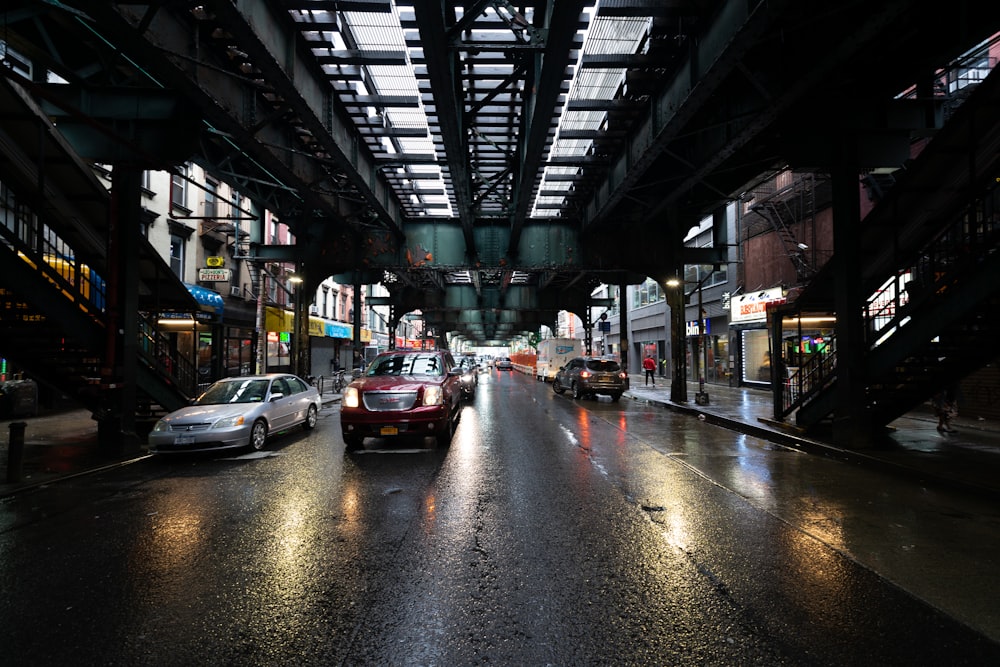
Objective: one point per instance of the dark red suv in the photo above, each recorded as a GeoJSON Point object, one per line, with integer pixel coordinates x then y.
{"type": "Point", "coordinates": [403, 393]}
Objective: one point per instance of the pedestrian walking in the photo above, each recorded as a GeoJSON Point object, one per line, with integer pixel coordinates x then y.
{"type": "Point", "coordinates": [945, 408]}
{"type": "Point", "coordinates": [649, 365]}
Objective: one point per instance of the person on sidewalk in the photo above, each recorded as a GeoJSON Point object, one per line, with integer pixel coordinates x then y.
{"type": "Point", "coordinates": [649, 365]}
{"type": "Point", "coordinates": [945, 409]}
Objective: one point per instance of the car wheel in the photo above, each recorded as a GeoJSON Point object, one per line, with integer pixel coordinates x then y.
{"type": "Point", "coordinates": [258, 435]}
{"type": "Point", "coordinates": [312, 416]}
{"type": "Point", "coordinates": [444, 438]}
{"type": "Point", "coordinates": [615, 397]}
{"type": "Point", "coordinates": [577, 394]}
{"type": "Point", "coordinates": [556, 387]}
{"type": "Point", "coordinates": [353, 442]}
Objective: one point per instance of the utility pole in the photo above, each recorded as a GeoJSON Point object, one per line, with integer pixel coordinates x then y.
{"type": "Point", "coordinates": [261, 365]}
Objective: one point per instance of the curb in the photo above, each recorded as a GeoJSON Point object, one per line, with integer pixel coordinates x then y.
{"type": "Point", "coordinates": [30, 486]}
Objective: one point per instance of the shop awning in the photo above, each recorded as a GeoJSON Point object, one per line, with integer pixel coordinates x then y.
{"type": "Point", "coordinates": [209, 300]}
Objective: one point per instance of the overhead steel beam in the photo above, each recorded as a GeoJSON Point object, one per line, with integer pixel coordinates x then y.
{"type": "Point", "coordinates": [360, 58]}
{"type": "Point", "coordinates": [562, 19]}
{"type": "Point", "coordinates": [306, 90]}
{"type": "Point", "coordinates": [441, 70]}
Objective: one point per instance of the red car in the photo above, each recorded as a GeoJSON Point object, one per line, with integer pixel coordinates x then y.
{"type": "Point", "coordinates": [403, 393]}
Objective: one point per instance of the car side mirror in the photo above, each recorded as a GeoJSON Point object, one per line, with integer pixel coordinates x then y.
{"type": "Point", "coordinates": [276, 396]}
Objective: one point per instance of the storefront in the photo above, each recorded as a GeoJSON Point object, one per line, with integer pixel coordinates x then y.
{"type": "Point", "coordinates": [329, 346]}
{"type": "Point", "coordinates": [330, 342]}
{"type": "Point", "coordinates": [748, 322]}
{"type": "Point", "coordinates": [194, 338]}
{"type": "Point", "coordinates": [239, 351]}
{"type": "Point", "coordinates": [711, 348]}
{"type": "Point", "coordinates": [800, 337]}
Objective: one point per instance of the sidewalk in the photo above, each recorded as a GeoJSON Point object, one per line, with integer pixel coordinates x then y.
{"type": "Point", "coordinates": [968, 459]}
{"type": "Point", "coordinates": [64, 444]}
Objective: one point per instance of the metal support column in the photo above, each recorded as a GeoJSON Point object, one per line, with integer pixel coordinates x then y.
{"type": "Point", "coordinates": [623, 325]}
{"type": "Point", "coordinates": [675, 301]}
{"type": "Point", "coordinates": [850, 424]}
{"type": "Point", "coordinates": [359, 355]}
{"type": "Point", "coordinates": [116, 422]}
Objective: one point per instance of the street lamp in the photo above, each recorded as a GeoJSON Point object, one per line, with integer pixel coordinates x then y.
{"type": "Point", "coordinates": [701, 358]}
{"type": "Point", "coordinates": [678, 383]}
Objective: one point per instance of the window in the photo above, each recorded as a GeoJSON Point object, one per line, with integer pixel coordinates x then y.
{"type": "Point", "coordinates": [177, 244]}
{"type": "Point", "coordinates": [647, 293]}
{"type": "Point", "coordinates": [694, 274]}
{"type": "Point", "coordinates": [237, 213]}
{"type": "Point", "coordinates": [178, 188]}
{"type": "Point", "coordinates": [211, 198]}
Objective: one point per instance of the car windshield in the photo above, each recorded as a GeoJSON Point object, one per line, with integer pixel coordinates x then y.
{"type": "Point", "coordinates": [246, 391]}
{"type": "Point", "coordinates": [603, 366]}
{"type": "Point", "coordinates": [406, 364]}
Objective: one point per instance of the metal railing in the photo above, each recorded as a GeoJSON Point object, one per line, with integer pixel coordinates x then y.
{"type": "Point", "coordinates": [817, 371]}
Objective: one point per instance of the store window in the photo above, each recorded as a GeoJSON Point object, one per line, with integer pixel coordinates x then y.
{"type": "Point", "coordinates": [756, 356]}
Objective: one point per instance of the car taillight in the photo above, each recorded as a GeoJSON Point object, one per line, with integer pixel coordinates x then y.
{"type": "Point", "coordinates": [585, 374]}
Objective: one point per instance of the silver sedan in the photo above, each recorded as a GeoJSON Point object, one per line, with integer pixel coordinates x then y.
{"type": "Point", "coordinates": [236, 413]}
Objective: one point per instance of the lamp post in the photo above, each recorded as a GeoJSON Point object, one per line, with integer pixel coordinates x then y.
{"type": "Point", "coordinates": [701, 358]}
{"type": "Point", "coordinates": [678, 383]}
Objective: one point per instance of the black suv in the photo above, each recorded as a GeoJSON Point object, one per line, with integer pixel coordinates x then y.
{"type": "Point", "coordinates": [587, 376]}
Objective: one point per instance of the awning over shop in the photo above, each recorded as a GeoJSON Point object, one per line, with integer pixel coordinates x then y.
{"type": "Point", "coordinates": [209, 300]}
{"type": "Point", "coordinates": [276, 319]}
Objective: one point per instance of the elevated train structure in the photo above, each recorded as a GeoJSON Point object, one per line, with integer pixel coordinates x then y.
{"type": "Point", "coordinates": [568, 144]}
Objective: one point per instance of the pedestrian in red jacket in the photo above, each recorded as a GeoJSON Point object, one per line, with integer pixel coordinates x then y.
{"type": "Point", "coordinates": [649, 365]}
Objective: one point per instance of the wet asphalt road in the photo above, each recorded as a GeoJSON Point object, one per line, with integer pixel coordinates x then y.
{"type": "Point", "coordinates": [551, 532]}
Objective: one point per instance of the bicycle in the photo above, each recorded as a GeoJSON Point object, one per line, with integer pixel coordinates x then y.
{"type": "Point", "coordinates": [339, 381]}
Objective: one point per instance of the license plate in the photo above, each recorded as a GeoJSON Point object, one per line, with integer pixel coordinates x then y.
{"type": "Point", "coordinates": [184, 440]}
{"type": "Point", "coordinates": [388, 430]}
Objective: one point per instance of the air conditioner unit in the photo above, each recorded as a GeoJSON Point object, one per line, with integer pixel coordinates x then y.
{"type": "Point", "coordinates": [236, 291]}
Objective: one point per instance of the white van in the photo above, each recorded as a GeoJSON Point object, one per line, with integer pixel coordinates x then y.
{"type": "Point", "coordinates": [553, 353]}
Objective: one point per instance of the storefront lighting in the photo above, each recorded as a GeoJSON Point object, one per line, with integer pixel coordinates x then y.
{"type": "Point", "coordinates": [810, 320]}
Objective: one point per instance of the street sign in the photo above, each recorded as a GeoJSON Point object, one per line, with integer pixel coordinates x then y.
{"type": "Point", "coordinates": [214, 275]}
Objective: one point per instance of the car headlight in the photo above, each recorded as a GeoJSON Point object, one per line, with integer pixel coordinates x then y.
{"type": "Point", "coordinates": [161, 426]}
{"type": "Point", "coordinates": [229, 422]}
{"type": "Point", "coordinates": [350, 398]}
{"type": "Point", "coordinates": [433, 395]}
